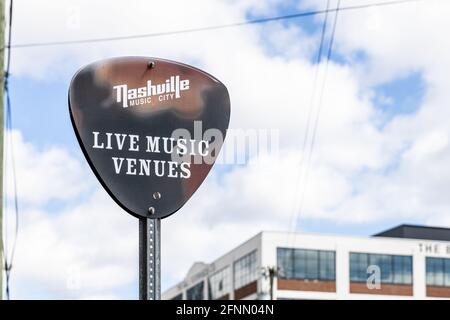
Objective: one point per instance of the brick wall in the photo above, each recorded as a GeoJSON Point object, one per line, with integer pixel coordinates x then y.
{"type": "Point", "coordinates": [385, 289]}
{"type": "Point", "coordinates": [306, 285]}
{"type": "Point", "coordinates": [245, 291]}
{"type": "Point", "coordinates": [438, 292]}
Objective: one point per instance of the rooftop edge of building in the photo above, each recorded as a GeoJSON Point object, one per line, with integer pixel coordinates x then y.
{"type": "Point", "coordinates": [410, 231]}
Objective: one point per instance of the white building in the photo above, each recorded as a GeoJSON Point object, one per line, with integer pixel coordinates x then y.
{"type": "Point", "coordinates": [401, 263]}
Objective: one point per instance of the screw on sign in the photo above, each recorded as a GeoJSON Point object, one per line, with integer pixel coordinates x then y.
{"type": "Point", "coordinates": [150, 130]}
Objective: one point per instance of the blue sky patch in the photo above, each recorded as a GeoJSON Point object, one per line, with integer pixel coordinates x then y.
{"type": "Point", "coordinates": [402, 96]}
{"type": "Point", "coordinates": [41, 113]}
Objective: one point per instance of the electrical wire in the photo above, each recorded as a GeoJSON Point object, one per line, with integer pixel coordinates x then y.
{"type": "Point", "coordinates": [298, 179]}
{"type": "Point", "coordinates": [208, 28]}
{"type": "Point", "coordinates": [316, 122]}
{"type": "Point", "coordinates": [9, 256]}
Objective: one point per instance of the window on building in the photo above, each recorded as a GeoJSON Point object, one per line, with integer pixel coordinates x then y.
{"type": "Point", "coordinates": [327, 265]}
{"type": "Point", "coordinates": [285, 262]}
{"type": "Point", "coordinates": [394, 269]}
{"type": "Point", "coordinates": [195, 292]}
{"type": "Point", "coordinates": [306, 264]}
{"type": "Point", "coordinates": [438, 272]}
{"type": "Point", "coordinates": [220, 283]}
{"type": "Point", "coordinates": [245, 270]}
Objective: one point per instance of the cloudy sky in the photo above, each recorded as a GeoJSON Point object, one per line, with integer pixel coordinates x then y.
{"type": "Point", "coordinates": [380, 157]}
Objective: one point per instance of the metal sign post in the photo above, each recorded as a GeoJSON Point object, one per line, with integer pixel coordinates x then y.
{"type": "Point", "coordinates": [151, 130]}
{"type": "Point", "coordinates": [149, 259]}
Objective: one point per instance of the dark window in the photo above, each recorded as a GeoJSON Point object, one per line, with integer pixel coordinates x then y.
{"type": "Point", "coordinates": [285, 259]}
{"type": "Point", "coordinates": [394, 269]}
{"type": "Point", "coordinates": [386, 265]}
{"type": "Point", "coordinates": [306, 264]}
{"type": "Point", "coordinates": [402, 269]}
{"type": "Point", "coordinates": [312, 264]}
{"type": "Point", "coordinates": [358, 267]}
{"type": "Point", "coordinates": [298, 262]}
{"type": "Point", "coordinates": [327, 265]}
{"type": "Point", "coordinates": [438, 272]}
{"type": "Point", "coordinates": [195, 292]}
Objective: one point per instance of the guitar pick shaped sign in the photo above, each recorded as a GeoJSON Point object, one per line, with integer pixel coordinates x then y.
{"type": "Point", "coordinates": [149, 128]}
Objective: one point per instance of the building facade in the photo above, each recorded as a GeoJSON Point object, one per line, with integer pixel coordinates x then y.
{"type": "Point", "coordinates": [406, 262]}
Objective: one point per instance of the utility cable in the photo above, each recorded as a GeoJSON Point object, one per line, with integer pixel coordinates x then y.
{"type": "Point", "coordinates": [208, 28]}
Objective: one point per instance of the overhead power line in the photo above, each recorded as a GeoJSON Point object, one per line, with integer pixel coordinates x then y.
{"type": "Point", "coordinates": [8, 257]}
{"type": "Point", "coordinates": [293, 221]}
{"type": "Point", "coordinates": [319, 110]}
{"type": "Point", "coordinates": [207, 28]}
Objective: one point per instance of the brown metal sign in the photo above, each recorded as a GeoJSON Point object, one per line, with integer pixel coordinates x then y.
{"type": "Point", "coordinates": [150, 129]}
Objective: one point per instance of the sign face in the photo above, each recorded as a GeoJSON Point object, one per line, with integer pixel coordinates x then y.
{"type": "Point", "coordinates": [150, 129]}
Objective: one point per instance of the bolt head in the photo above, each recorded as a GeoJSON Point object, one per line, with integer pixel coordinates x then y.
{"type": "Point", "coordinates": [156, 195]}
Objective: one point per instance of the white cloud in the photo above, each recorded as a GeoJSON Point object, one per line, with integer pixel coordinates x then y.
{"type": "Point", "coordinates": [395, 39]}
{"type": "Point", "coordinates": [427, 146]}
{"type": "Point", "coordinates": [43, 174]}
{"type": "Point", "coordinates": [87, 250]}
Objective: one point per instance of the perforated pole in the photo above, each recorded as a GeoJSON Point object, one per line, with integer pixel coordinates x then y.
{"type": "Point", "coordinates": [2, 54]}
{"type": "Point", "coordinates": [149, 259]}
